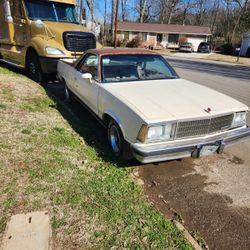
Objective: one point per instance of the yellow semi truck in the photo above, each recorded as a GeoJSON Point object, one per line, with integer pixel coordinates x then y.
{"type": "Point", "coordinates": [35, 34]}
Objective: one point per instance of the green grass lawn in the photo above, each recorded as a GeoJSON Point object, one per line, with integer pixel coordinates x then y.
{"type": "Point", "coordinates": [46, 165]}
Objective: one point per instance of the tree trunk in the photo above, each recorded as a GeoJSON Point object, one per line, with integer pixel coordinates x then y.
{"type": "Point", "coordinates": [90, 4]}
{"type": "Point", "coordinates": [105, 18]}
{"type": "Point", "coordinates": [123, 7]}
{"type": "Point", "coordinates": [113, 5]}
{"type": "Point", "coordinates": [143, 4]}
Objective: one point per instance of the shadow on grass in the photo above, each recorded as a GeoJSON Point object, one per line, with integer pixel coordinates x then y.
{"type": "Point", "coordinates": [83, 123]}
{"type": "Point", "coordinates": [79, 118]}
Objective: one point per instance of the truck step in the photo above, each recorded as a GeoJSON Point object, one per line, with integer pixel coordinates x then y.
{"type": "Point", "coordinates": [12, 63]}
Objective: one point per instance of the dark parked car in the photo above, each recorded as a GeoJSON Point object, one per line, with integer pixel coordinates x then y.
{"type": "Point", "coordinates": [204, 47]}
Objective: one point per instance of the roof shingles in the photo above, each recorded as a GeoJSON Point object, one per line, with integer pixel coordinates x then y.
{"type": "Point", "coordinates": [164, 28]}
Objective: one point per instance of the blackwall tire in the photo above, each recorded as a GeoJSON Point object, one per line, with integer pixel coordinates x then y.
{"type": "Point", "coordinates": [33, 67]}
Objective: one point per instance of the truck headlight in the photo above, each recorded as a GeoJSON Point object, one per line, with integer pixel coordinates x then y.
{"type": "Point", "coordinates": [53, 51]}
{"type": "Point", "coordinates": [239, 119]}
{"type": "Point", "coordinates": [156, 133]}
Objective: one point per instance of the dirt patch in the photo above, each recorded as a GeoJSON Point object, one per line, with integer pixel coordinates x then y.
{"type": "Point", "coordinates": [230, 59]}
{"type": "Point", "coordinates": [210, 201]}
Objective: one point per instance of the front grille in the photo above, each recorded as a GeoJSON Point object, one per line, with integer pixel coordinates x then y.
{"type": "Point", "coordinates": [79, 41]}
{"type": "Point", "coordinates": [204, 126]}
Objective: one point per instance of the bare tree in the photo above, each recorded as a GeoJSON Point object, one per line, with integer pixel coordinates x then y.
{"type": "Point", "coordinates": [186, 5]}
{"type": "Point", "coordinates": [142, 6]}
{"type": "Point", "coordinates": [90, 4]}
{"type": "Point", "coordinates": [172, 6]}
{"type": "Point", "coordinates": [113, 7]}
{"type": "Point", "coordinates": [124, 9]}
{"type": "Point", "coordinates": [200, 9]}
{"type": "Point", "coordinates": [243, 8]}
{"type": "Point", "coordinates": [214, 15]}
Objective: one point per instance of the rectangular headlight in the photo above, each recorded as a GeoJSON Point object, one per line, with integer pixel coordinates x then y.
{"type": "Point", "coordinates": [239, 119]}
{"type": "Point", "coordinates": [156, 133]}
{"type": "Point", "coordinates": [53, 51]}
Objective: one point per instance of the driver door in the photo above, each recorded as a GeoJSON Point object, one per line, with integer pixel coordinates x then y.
{"type": "Point", "coordinates": [88, 89]}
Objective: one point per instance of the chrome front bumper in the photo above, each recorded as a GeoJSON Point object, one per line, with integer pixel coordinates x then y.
{"type": "Point", "coordinates": [147, 153]}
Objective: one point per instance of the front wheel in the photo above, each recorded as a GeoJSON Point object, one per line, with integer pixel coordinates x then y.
{"type": "Point", "coordinates": [116, 140]}
{"type": "Point", "coordinates": [34, 67]}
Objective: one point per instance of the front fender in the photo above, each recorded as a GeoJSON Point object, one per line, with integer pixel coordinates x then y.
{"type": "Point", "coordinates": [39, 44]}
{"type": "Point", "coordinates": [116, 118]}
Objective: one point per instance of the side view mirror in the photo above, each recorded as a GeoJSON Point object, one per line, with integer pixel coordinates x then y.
{"type": "Point", "coordinates": [86, 76]}
{"type": "Point", "coordinates": [39, 23]}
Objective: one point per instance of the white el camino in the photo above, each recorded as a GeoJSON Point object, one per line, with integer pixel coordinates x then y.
{"type": "Point", "coordinates": [149, 112]}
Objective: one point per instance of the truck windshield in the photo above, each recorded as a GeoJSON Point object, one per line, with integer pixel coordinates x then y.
{"type": "Point", "coordinates": [51, 11]}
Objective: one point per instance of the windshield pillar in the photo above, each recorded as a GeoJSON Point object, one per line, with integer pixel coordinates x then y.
{"type": "Point", "coordinates": [54, 8]}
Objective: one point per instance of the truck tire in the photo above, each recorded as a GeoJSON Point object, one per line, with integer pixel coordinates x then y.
{"type": "Point", "coordinates": [119, 146]}
{"type": "Point", "coordinates": [33, 67]}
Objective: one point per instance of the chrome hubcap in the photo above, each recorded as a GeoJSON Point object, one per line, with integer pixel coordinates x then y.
{"type": "Point", "coordinates": [114, 139]}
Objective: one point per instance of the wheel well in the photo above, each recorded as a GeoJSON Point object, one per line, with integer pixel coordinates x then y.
{"type": "Point", "coordinates": [62, 80]}
{"type": "Point", "coordinates": [30, 50]}
{"type": "Point", "coordinates": [106, 119]}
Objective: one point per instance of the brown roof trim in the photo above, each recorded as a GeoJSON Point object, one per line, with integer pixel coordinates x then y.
{"type": "Point", "coordinates": [164, 28]}
{"type": "Point", "coordinates": [119, 51]}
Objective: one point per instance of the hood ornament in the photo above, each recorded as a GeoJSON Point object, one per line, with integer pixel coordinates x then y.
{"type": "Point", "coordinates": [208, 110]}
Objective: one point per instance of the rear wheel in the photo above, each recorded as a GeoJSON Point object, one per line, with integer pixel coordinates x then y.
{"type": "Point", "coordinates": [33, 67]}
{"type": "Point", "coordinates": [116, 140]}
{"type": "Point", "coordinates": [68, 93]}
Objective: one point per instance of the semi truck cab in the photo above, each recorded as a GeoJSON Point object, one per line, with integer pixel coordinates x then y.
{"type": "Point", "coordinates": [35, 34]}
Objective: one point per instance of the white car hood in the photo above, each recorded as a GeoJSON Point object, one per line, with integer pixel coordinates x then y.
{"type": "Point", "coordinates": [163, 100]}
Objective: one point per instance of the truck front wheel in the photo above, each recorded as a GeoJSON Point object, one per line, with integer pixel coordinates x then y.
{"type": "Point", "coordinates": [33, 67]}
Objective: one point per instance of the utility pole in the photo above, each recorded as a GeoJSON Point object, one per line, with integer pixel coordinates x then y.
{"type": "Point", "coordinates": [116, 23]}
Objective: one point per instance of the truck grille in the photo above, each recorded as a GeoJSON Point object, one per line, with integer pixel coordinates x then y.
{"type": "Point", "coordinates": [204, 126]}
{"type": "Point", "coordinates": [79, 41]}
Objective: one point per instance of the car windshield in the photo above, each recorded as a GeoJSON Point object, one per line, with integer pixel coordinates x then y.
{"type": "Point", "coordinates": [121, 68]}
{"type": "Point", "coordinates": [51, 11]}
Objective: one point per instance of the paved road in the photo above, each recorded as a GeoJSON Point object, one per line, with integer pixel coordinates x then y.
{"type": "Point", "coordinates": [211, 195]}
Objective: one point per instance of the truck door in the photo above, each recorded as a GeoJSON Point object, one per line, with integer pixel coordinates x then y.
{"type": "Point", "coordinates": [21, 30]}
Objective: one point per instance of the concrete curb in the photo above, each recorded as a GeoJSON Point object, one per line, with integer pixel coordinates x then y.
{"type": "Point", "coordinates": [187, 235]}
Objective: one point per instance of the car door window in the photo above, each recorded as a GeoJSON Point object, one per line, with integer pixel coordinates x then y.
{"type": "Point", "coordinates": [90, 65]}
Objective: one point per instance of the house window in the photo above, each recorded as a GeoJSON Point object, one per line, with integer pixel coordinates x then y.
{"type": "Point", "coordinates": [173, 38]}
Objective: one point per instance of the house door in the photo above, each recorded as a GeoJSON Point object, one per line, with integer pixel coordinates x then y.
{"type": "Point", "coordinates": [159, 38]}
